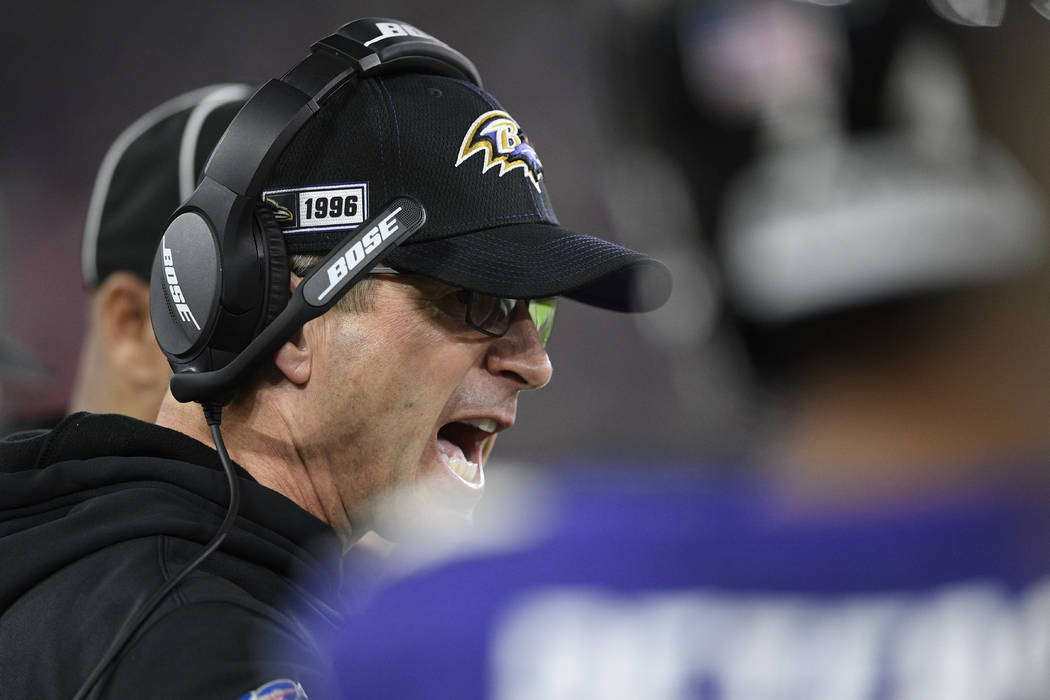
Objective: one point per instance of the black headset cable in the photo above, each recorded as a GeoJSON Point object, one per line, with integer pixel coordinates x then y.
{"type": "Point", "coordinates": [213, 415]}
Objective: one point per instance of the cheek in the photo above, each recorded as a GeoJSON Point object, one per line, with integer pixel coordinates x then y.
{"type": "Point", "coordinates": [390, 384]}
{"type": "Point", "coordinates": [391, 381]}
{"type": "Point", "coordinates": [428, 362]}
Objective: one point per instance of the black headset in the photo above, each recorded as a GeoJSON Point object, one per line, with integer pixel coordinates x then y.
{"type": "Point", "coordinates": [219, 285]}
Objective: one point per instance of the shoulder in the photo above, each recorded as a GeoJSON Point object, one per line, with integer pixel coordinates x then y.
{"type": "Point", "coordinates": [224, 622]}
{"type": "Point", "coordinates": [233, 650]}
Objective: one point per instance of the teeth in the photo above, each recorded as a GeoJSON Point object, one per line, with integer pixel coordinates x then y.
{"type": "Point", "coordinates": [463, 468]}
{"type": "Point", "coordinates": [486, 424]}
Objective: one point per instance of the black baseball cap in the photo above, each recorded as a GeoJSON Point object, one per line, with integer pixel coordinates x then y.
{"type": "Point", "coordinates": [490, 225]}
{"type": "Point", "coordinates": [150, 169]}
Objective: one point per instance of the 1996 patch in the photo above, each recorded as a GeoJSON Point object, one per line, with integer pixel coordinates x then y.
{"type": "Point", "coordinates": [319, 207]}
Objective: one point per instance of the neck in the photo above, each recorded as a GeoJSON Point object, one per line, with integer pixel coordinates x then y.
{"type": "Point", "coordinates": [99, 387]}
{"type": "Point", "coordinates": [261, 441]}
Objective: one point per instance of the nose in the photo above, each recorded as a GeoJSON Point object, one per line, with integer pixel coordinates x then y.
{"type": "Point", "coordinates": [519, 355]}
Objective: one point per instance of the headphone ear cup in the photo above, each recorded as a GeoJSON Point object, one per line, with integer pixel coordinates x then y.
{"type": "Point", "coordinates": [277, 275]}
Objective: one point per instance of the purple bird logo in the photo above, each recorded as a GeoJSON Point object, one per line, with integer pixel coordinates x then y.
{"type": "Point", "coordinates": [501, 141]}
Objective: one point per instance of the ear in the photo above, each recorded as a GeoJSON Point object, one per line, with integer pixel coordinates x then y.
{"type": "Point", "coordinates": [293, 358]}
{"type": "Point", "coordinates": [124, 325]}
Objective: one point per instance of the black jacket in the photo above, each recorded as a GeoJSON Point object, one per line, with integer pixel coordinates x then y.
{"type": "Point", "coordinates": [96, 514]}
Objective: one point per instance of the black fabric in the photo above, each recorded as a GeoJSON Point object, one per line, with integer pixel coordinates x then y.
{"type": "Point", "coordinates": [143, 190]}
{"type": "Point", "coordinates": [403, 134]}
{"type": "Point", "coordinates": [96, 514]}
{"type": "Point", "coordinates": [540, 260]}
{"type": "Point", "coordinates": [133, 199]}
{"type": "Point", "coordinates": [140, 199]}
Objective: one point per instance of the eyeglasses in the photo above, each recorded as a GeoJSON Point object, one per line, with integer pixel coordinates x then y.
{"type": "Point", "coordinates": [492, 315]}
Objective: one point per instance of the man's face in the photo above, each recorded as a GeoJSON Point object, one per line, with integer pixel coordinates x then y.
{"type": "Point", "coordinates": [410, 399]}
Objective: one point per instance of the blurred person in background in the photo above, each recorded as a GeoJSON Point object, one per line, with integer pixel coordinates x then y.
{"type": "Point", "coordinates": [880, 260]}
{"type": "Point", "coordinates": [148, 171]}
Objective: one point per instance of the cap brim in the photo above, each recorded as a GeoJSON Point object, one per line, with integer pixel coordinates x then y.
{"type": "Point", "coordinates": [540, 260]}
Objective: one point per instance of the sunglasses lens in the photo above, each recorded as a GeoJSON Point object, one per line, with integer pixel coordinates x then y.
{"type": "Point", "coordinates": [489, 313]}
{"type": "Point", "coordinates": [542, 313]}
{"type": "Point", "coordinates": [492, 315]}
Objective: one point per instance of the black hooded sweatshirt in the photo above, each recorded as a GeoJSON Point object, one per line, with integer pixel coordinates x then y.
{"type": "Point", "coordinates": [95, 516]}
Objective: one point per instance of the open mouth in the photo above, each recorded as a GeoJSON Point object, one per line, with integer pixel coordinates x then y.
{"type": "Point", "coordinates": [461, 444]}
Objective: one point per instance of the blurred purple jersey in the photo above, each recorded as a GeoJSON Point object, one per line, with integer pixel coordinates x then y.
{"type": "Point", "coordinates": [671, 585]}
